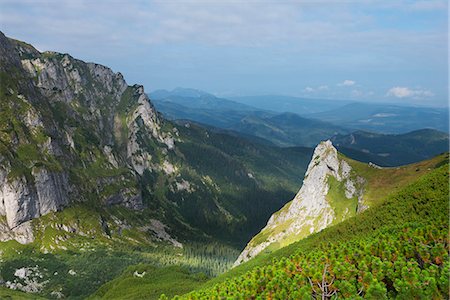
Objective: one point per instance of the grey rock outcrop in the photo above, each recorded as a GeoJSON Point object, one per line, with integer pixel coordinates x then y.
{"type": "Point", "coordinates": [21, 200]}
{"type": "Point", "coordinates": [311, 210]}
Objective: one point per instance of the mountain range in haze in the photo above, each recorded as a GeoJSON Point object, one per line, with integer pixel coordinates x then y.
{"type": "Point", "coordinates": [368, 131]}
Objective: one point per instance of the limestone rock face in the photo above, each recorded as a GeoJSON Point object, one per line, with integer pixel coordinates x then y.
{"type": "Point", "coordinates": [144, 116]}
{"type": "Point", "coordinates": [22, 200]}
{"type": "Point", "coordinates": [22, 233]}
{"type": "Point", "coordinates": [312, 209]}
{"type": "Point", "coordinates": [80, 119]}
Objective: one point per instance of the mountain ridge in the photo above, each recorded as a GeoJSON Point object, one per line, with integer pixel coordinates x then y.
{"type": "Point", "coordinates": [334, 189]}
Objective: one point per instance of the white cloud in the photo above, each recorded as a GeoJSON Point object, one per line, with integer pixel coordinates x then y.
{"type": "Point", "coordinates": [188, 37]}
{"type": "Point", "coordinates": [356, 93]}
{"type": "Point", "coordinates": [320, 88]}
{"type": "Point", "coordinates": [429, 5]}
{"type": "Point", "coordinates": [405, 92]}
{"type": "Point", "coordinates": [347, 82]}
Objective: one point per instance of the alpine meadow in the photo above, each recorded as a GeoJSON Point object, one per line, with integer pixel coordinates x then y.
{"type": "Point", "coordinates": [224, 150]}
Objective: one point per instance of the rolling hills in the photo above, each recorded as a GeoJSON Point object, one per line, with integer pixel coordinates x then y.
{"type": "Point", "coordinates": [376, 144]}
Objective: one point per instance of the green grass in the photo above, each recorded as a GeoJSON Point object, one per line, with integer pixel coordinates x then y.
{"type": "Point", "coordinates": [381, 182]}
{"type": "Point", "coordinates": [343, 207]}
{"type": "Point", "coordinates": [8, 294]}
{"type": "Point", "coordinates": [156, 281]}
{"type": "Point", "coordinates": [98, 255]}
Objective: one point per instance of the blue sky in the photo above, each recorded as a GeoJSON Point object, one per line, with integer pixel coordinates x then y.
{"type": "Point", "coordinates": [386, 51]}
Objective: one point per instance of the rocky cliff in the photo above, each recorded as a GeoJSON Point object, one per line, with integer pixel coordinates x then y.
{"type": "Point", "coordinates": [70, 131]}
{"type": "Point", "coordinates": [331, 192]}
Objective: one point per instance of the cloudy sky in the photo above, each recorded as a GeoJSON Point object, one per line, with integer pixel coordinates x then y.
{"type": "Point", "coordinates": [387, 51]}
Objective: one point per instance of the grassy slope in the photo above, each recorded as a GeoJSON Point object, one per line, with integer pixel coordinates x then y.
{"type": "Point", "coordinates": [99, 258]}
{"type": "Point", "coordinates": [394, 210]}
{"type": "Point", "coordinates": [379, 184]}
{"type": "Point", "coordinates": [382, 182]}
{"type": "Point", "coordinates": [386, 213]}
{"type": "Point", "coordinates": [8, 294]}
{"type": "Point", "coordinates": [169, 280]}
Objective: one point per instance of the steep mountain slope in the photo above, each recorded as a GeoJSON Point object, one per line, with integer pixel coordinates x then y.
{"type": "Point", "coordinates": [57, 131]}
{"type": "Point", "coordinates": [90, 172]}
{"type": "Point", "coordinates": [395, 250]}
{"type": "Point", "coordinates": [395, 149]}
{"type": "Point", "coordinates": [384, 118]}
{"type": "Point", "coordinates": [335, 188]}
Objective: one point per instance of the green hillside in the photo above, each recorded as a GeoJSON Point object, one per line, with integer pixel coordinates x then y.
{"type": "Point", "coordinates": [148, 282]}
{"type": "Point", "coordinates": [384, 181]}
{"type": "Point", "coordinates": [9, 294]}
{"type": "Point", "coordinates": [398, 249]}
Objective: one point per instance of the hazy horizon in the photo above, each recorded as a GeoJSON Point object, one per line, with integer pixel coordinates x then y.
{"type": "Point", "coordinates": [389, 52]}
{"type": "Point", "coordinates": [369, 101]}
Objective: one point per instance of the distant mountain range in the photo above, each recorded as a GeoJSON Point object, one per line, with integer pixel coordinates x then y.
{"type": "Point", "coordinates": [282, 129]}
{"type": "Point", "coordinates": [193, 98]}
{"type": "Point", "coordinates": [384, 118]}
{"type": "Point", "coordinates": [378, 117]}
{"type": "Point", "coordinates": [392, 149]}
{"type": "Point", "coordinates": [298, 105]}
{"type": "Point", "coordinates": [349, 125]}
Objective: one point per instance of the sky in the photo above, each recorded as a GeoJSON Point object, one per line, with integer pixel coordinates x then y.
{"type": "Point", "coordinates": [383, 51]}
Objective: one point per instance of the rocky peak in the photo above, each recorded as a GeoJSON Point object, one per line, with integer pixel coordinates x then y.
{"type": "Point", "coordinates": [312, 195]}
{"type": "Point", "coordinates": [312, 209]}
